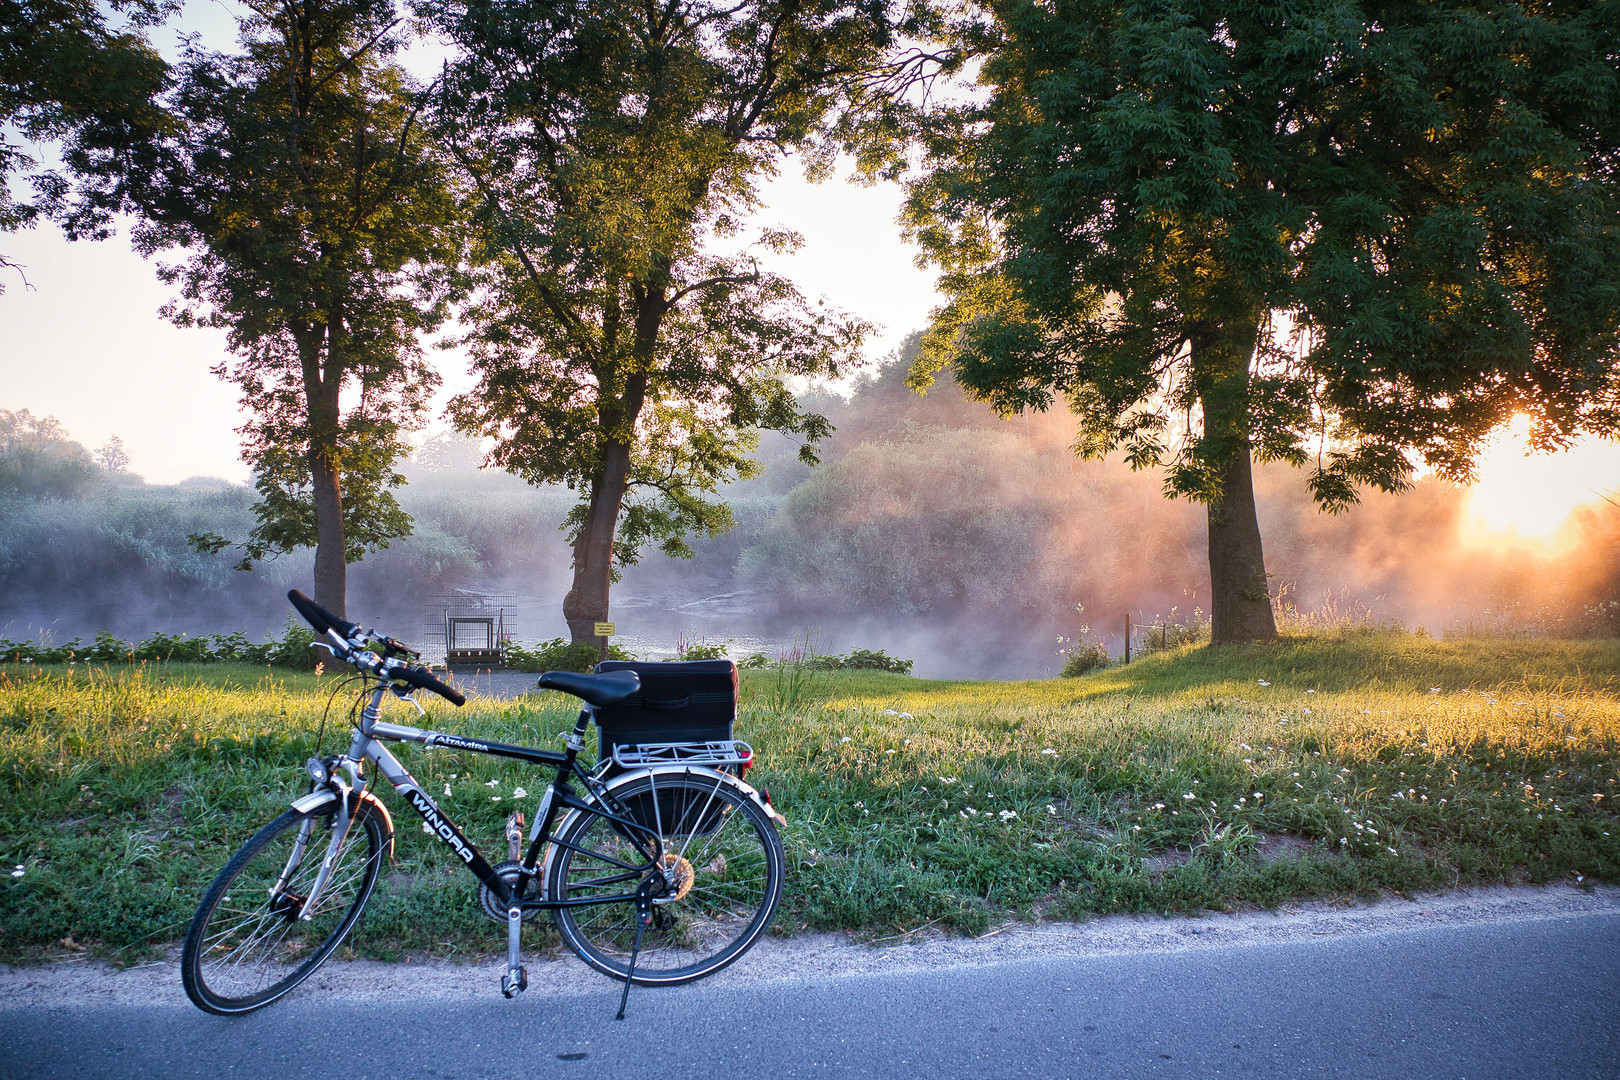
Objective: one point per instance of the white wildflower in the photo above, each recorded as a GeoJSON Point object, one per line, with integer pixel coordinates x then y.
{"type": "Point", "coordinates": [1310, 691]}
{"type": "Point", "coordinates": [447, 790]}
{"type": "Point", "coordinates": [890, 712]}
{"type": "Point", "coordinates": [1007, 815]}
{"type": "Point", "coordinates": [519, 793]}
{"type": "Point", "coordinates": [907, 716]}
{"type": "Point", "coordinates": [493, 784]}
{"type": "Point", "coordinates": [1262, 682]}
{"type": "Point", "coordinates": [947, 779]}
{"type": "Point", "coordinates": [888, 751]}
{"type": "Point", "coordinates": [19, 871]}
{"type": "Point", "coordinates": [1049, 752]}
{"type": "Point", "coordinates": [1050, 809]}
{"type": "Point", "coordinates": [845, 739]}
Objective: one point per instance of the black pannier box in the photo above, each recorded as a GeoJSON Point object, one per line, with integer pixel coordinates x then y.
{"type": "Point", "coordinates": [693, 701]}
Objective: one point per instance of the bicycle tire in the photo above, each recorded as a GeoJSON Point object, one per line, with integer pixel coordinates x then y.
{"type": "Point", "coordinates": [238, 958]}
{"type": "Point", "coordinates": [728, 844]}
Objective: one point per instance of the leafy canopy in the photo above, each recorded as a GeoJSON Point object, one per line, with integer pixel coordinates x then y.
{"type": "Point", "coordinates": [314, 218]}
{"type": "Point", "coordinates": [1412, 206]}
{"type": "Point", "coordinates": [616, 148]}
{"type": "Point", "coordinates": [67, 77]}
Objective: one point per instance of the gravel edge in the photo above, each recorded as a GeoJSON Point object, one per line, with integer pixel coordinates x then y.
{"type": "Point", "coordinates": [822, 957]}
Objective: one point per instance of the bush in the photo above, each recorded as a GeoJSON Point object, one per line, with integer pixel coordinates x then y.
{"type": "Point", "coordinates": [862, 660]}
{"type": "Point", "coordinates": [559, 654]}
{"type": "Point", "coordinates": [699, 650]}
{"type": "Point", "coordinates": [1084, 657]}
{"type": "Point", "coordinates": [292, 650]}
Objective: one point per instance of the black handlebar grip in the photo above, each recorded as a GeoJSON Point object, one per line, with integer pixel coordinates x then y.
{"type": "Point", "coordinates": [420, 677]}
{"type": "Point", "coordinates": [318, 617]}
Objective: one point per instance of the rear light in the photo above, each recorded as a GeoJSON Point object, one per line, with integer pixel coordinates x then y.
{"type": "Point", "coordinates": [747, 763]}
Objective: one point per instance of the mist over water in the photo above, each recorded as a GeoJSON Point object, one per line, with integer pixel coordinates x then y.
{"type": "Point", "coordinates": [931, 530]}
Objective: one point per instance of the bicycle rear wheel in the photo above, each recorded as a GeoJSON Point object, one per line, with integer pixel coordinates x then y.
{"type": "Point", "coordinates": [247, 945]}
{"type": "Point", "coordinates": [724, 857]}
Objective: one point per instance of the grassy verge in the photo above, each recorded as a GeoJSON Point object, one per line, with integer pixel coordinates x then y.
{"type": "Point", "coordinates": [1192, 779]}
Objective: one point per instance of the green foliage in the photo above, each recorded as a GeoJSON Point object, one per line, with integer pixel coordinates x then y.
{"type": "Point", "coordinates": [616, 350]}
{"type": "Point", "coordinates": [312, 214]}
{"type": "Point", "coordinates": [38, 459]}
{"type": "Point", "coordinates": [861, 660]}
{"type": "Point", "coordinates": [1083, 657]}
{"type": "Point", "coordinates": [699, 650]}
{"type": "Point", "coordinates": [291, 650]}
{"type": "Point", "coordinates": [69, 78]}
{"type": "Point", "coordinates": [559, 654]}
{"type": "Point", "coordinates": [1340, 237]}
{"type": "Point", "coordinates": [1349, 169]}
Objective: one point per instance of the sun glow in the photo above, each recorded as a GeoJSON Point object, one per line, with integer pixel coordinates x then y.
{"type": "Point", "coordinates": [1530, 496]}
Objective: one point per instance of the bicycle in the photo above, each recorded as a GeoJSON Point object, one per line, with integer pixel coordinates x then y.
{"type": "Point", "coordinates": [661, 874]}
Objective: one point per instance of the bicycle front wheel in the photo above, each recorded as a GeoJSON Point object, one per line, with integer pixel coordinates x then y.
{"type": "Point", "coordinates": [720, 853]}
{"type": "Point", "coordinates": [249, 943]}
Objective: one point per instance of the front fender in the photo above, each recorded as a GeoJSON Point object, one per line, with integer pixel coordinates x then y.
{"type": "Point", "coordinates": [321, 798]}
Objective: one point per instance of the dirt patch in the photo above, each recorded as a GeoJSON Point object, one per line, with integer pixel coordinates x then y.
{"type": "Point", "coordinates": [1274, 846]}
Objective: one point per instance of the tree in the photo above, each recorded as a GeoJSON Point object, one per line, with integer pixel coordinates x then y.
{"type": "Point", "coordinates": [111, 456]}
{"type": "Point", "coordinates": [38, 459]}
{"type": "Point", "coordinates": [67, 78]}
{"type": "Point", "coordinates": [315, 220]}
{"type": "Point", "coordinates": [619, 348]}
{"type": "Point", "coordinates": [1350, 235]}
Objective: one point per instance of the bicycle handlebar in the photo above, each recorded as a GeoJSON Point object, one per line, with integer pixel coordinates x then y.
{"type": "Point", "coordinates": [423, 678]}
{"type": "Point", "coordinates": [354, 639]}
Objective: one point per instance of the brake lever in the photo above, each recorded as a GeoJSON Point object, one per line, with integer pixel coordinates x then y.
{"type": "Point", "coordinates": [392, 646]}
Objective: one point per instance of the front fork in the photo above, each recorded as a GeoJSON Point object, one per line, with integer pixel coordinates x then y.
{"type": "Point", "coordinates": [332, 777]}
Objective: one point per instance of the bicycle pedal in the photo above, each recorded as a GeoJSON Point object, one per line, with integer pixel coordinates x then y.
{"type": "Point", "coordinates": [512, 988]}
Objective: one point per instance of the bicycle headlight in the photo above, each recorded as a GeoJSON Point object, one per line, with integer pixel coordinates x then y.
{"type": "Point", "coordinates": [317, 771]}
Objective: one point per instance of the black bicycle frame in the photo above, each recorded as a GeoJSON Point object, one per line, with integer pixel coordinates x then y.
{"type": "Point", "coordinates": [558, 797]}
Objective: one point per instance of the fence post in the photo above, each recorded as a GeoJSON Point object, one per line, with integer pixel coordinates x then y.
{"type": "Point", "coordinates": [1127, 637]}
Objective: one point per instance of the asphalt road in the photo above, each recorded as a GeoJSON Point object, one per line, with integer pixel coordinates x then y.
{"type": "Point", "coordinates": [1532, 997]}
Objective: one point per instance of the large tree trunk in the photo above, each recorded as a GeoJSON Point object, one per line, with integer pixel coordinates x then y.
{"type": "Point", "coordinates": [331, 562]}
{"type": "Point", "coordinates": [587, 601]}
{"type": "Point", "coordinates": [321, 385]}
{"type": "Point", "coordinates": [1240, 602]}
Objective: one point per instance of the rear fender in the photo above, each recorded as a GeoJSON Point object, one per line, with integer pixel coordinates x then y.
{"type": "Point", "coordinates": [553, 851]}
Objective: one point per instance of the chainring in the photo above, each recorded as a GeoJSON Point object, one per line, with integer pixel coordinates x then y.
{"type": "Point", "coordinates": [508, 872]}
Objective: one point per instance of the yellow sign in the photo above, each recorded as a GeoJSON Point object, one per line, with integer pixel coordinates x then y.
{"type": "Point", "coordinates": [604, 629]}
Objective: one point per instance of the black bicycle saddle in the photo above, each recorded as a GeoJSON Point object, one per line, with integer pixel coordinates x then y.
{"type": "Point", "coordinates": [608, 689]}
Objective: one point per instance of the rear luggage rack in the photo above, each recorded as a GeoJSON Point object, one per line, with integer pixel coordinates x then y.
{"type": "Point", "coordinates": [714, 754]}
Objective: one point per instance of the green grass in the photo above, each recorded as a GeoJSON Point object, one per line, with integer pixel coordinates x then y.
{"type": "Point", "coordinates": [1371, 762]}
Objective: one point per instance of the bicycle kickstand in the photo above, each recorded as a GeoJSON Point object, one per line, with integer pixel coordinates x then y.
{"type": "Point", "coordinates": [643, 918]}
{"type": "Point", "coordinates": [516, 979]}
